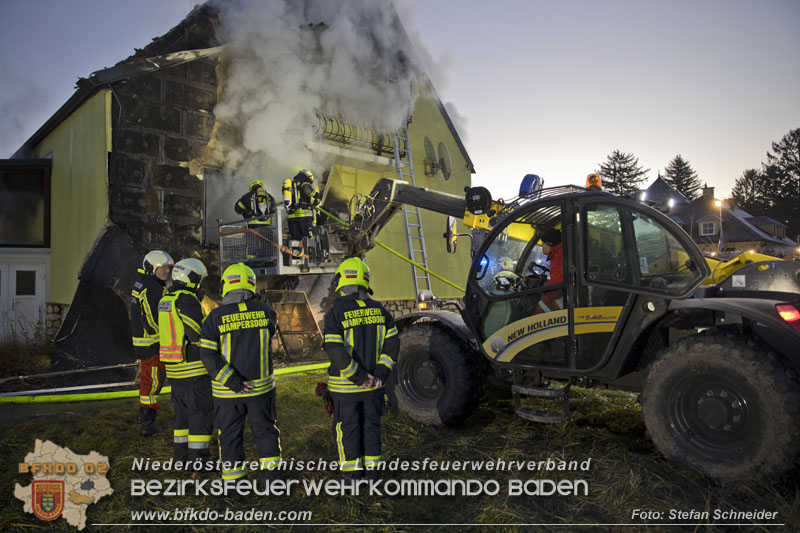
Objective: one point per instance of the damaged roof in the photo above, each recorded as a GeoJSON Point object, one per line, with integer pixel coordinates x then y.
{"type": "Point", "coordinates": [193, 38]}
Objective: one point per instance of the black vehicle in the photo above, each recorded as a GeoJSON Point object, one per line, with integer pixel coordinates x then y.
{"type": "Point", "coordinates": [632, 309]}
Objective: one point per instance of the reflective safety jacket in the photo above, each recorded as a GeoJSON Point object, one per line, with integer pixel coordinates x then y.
{"type": "Point", "coordinates": [235, 347]}
{"type": "Point", "coordinates": [179, 317]}
{"type": "Point", "coordinates": [360, 338]}
{"type": "Point", "coordinates": [248, 207]}
{"type": "Point", "coordinates": [299, 195]}
{"type": "Point", "coordinates": [145, 295]}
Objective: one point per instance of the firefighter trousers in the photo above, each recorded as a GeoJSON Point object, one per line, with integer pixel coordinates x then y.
{"type": "Point", "coordinates": [151, 381]}
{"type": "Point", "coordinates": [357, 429]}
{"type": "Point", "coordinates": [300, 227]}
{"type": "Point", "coordinates": [194, 417]}
{"type": "Point", "coordinates": [229, 416]}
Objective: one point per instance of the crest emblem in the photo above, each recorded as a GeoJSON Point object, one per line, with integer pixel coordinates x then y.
{"type": "Point", "coordinates": [48, 499]}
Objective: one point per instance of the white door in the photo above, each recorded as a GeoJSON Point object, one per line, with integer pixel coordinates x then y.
{"type": "Point", "coordinates": [26, 318]}
{"type": "Point", "coordinates": [5, 305]}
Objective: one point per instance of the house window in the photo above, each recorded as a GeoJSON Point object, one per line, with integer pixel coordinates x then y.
{"type": "Point", "coordinates": [708, 228]}
{"type": "Point", "coordinates": [24, 203]}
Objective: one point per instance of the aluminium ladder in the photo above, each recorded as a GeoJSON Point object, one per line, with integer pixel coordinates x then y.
{"type": "Point", "coordinates": [414, 233]}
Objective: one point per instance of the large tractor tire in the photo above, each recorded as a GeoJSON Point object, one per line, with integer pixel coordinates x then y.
{"type": "Point", "coordinates": [435, 379]}
{"type": "Point", "coordinates": [724, 406]}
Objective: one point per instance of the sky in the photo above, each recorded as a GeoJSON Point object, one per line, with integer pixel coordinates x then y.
{"type": "Point", "coordinates": [543, 87]}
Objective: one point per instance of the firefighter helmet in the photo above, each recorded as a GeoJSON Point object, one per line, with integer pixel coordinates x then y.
{"type": "Point", "coordinates": [190, 272]}
{"type": "Point", "coordinates": [238, 276]}
{"type": "Point", "coordinates": [155, 260]}
{"type": "Point", "coordinates": [308, 174]}
{"type": "Point", "coordinates": [256, 183]}
{"type": "Point", "coordinates": [352, 271]}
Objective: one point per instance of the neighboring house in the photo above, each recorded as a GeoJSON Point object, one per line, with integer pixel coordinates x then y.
{"type": "Point", "coordinates": [738, 230]}
{"type": "Point", "coordinates": [133, 161]}
{"type": "Point", "coordinates": [663, 197]}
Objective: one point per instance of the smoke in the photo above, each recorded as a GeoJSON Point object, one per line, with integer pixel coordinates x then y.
{"type": "Point", "coordinates": [287, 59]}
{"type": "Point", "coordinates": [20, 100]}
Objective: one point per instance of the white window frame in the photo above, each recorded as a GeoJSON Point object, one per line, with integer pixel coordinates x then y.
{"type": "Point", "coordinates": [704, 233]}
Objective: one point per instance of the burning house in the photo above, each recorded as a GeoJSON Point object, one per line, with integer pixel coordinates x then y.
{"type": "Point", "coordinates": [154, 152]}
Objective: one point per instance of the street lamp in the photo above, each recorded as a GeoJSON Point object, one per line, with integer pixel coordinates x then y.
{"type": "Point", "coordinates": [718, 203]}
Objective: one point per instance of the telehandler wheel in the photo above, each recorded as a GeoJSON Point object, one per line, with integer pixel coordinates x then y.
{"type": "Point", "coordinates": [723, 406]}
{"type": "Point", "coordinates": [435, 379]}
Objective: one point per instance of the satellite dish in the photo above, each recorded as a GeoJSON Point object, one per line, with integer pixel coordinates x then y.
{"type": "Point", "coordinates": [444, 161]}
{"type": "Point", "coordinates": [431, 161]}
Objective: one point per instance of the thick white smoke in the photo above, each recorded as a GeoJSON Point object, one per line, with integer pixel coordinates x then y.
{"type": "Point", "coordinates": [287, 59]}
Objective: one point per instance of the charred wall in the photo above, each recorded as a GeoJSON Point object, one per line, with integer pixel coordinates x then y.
{"type": "Point", "coordinates": [160, 122]}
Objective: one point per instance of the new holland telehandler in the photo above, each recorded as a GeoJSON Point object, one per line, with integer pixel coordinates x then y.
{"type": "Point", "coordinates": [712, 347]}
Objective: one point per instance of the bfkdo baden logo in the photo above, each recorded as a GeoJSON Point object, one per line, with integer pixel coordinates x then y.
{"type": "Point", "coordinates": [64, 483]}
{"type": "Point", "coordinates": [48, 499]}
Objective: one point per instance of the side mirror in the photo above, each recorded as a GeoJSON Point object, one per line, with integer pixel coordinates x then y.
{"type": "Point", "coordinates": [451, 235]}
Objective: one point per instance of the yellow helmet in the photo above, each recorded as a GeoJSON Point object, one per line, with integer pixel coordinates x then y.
{"type": "Point", "coordinates": [256, 183]}
{"type": "Point", "coordinates": [238, 276]}
{"type": "Point", "coordinates": [155, 260]}
{"type": "Point", "coordinates": [352, 271]}
{"type": "Point", "coordinates": [190, 272]}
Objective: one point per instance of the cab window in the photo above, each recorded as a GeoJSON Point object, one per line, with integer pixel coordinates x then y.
{"type": "Point", "coordinates": [626, 247]}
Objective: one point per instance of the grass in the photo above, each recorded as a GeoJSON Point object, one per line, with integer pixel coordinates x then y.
{"type": "Point", "coordinates": [626, 471]}
{"type": "Point", "coordinates": [18, 358]}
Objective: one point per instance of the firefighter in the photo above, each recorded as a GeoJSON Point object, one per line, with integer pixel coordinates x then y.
{"type": "Point", "coordinates": [300, 196]}
{"type": "Point", "coordinates": [148, 288]}
{"type": "Point", "coordinates": [362, 343]}
{"type": "Point", "coordinates": [179, 317]}
{"type": "Point", "coordinates": [255, 203]}
{"type": "Point", "coordinates": [235, 348]}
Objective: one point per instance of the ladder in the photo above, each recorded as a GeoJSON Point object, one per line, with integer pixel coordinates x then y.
{"type": "Point", "coordinates": [414, 234]}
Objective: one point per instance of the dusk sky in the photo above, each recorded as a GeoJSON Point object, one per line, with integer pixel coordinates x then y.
{"type": "Point", "coordinates": [539, 87]}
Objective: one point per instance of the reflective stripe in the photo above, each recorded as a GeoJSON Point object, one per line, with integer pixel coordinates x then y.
{"type": "Point", "coordinates": [260, 386]}
{"type": "Point", "coordinates": [340, 443]}
{"type": "Point", "coordinates": [148, 313]}
{"type": "Point", "coordinates": [333, 337]}
{"type": "Point", "coordinates": [185, 370]}
{"type": "Point", "coordinates": [391, 333]}
{"type": "Point", "coordinates": [145, 341]}
{"type": "Point", "coordinates": [350, 370]}
{"type": "Point", "coordinates": [224, 373]}
{"type": "Point", "coordinates": [381, 333]}
{"type": "Point", "coordinates": [233, 474]}
{"type": "Point", "coordinates": [270, 463]}
{"type": "Point", "coordinates": [226, 347]}
{"type": "Point", "coordinates": [191, 323]}
{"type": "Point", "coordinates": [206, 343]}
{"type": "Point", "coordinates": [346, 386]}
{"type": "Point", "coordinates": [199, 438]}
{"type": "Point", "coordinates": [371, 461]}
{"type": "Point", "coordinates": [197, 445]}
{"type": "Point", "coordinates": [350, 466]}
{"type": "Point", "coordinates": [180, 435]}
{"type": "Point", "coordinates": [264, 351]}
{"type": "Point", "coordinates": [386, 360]}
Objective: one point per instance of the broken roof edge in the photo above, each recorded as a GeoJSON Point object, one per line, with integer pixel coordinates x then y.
{"type": "Point", "coordinates": [86, 87]}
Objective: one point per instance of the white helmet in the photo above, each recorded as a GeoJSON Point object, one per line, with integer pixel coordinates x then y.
{"type": "Point", "coordinates": [155, 260]}
{"type": "Point", "coordinates": [190, 272]}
